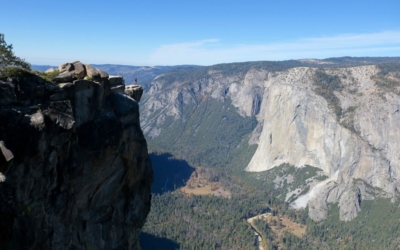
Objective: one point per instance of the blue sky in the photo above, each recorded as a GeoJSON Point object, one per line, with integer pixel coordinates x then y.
{"type": "Point", "coordinates": [155, 32]}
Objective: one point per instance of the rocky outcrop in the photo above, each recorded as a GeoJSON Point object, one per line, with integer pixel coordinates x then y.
{"type": "Point", "coordinates": [78, 70]}
{"type": "Point", "coordinates": [76, 170]}
{"type": "Point", "coordinates": [134, 91]}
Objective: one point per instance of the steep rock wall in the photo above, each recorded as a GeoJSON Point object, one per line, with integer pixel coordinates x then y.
{"type": "Point", "coordinates": [75, 163]}
{"type": "Point", "coordinates": [300, 128]}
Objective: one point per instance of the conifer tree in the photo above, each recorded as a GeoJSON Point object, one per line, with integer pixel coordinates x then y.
{"type": "Point", "coordinates": [7, 56]}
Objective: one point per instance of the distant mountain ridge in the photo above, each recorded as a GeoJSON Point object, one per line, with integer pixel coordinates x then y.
{"type": "Point", "coordinates": [42, 68]}
{"type": "Point", "coordinates": [146, 74]}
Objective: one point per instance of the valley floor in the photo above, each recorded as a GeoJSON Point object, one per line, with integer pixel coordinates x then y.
{"type": "Point", "coordinates": [188, 212]}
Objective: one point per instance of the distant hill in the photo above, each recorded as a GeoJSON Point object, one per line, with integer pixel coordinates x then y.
{"type": "Point", "coordinates": [144, 74]}
{"type": "Point", "coordinates": [42, 68]}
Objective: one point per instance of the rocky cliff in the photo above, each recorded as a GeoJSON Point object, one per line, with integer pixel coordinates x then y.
{"type": "Point", "coordinates": [300, 128]}
{"type": "Point", "coordinates": [75, 171]}
{"type": "Point", "coordinates": [342, 119]}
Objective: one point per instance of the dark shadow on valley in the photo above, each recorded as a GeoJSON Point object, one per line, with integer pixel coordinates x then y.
{"type": "Point", "coordinates": [151, 242]}
{"type": "Point", "coordinates": [169, 173]}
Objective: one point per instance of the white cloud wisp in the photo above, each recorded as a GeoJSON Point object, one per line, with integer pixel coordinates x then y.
{"type": "Point", "coordinates": [211, 51]}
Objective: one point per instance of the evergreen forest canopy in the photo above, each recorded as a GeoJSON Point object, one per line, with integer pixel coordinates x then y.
{"type": "Point", "coordinates": [211, 222]}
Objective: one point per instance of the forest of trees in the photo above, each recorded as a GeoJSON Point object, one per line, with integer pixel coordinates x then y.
{"type": "Point", "coordinates": [211, 222]}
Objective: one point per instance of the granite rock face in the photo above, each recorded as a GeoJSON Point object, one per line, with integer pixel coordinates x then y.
{"type": "Point", "coordinates": [76, 171]}
{"type": "Point", "coordinates": [357, 149]}
{"type": "Point", "coordinates": [300, 128]}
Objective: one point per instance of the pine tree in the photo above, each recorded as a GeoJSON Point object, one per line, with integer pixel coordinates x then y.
{"type": "Point", "coordinates": [7, 57]}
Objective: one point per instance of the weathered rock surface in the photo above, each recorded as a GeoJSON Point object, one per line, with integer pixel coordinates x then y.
{"type": "Point", "coordinates": [116, 80]}
{"type": "Point", "coordinates": [75, 164]}
{"type": "Point", "coordinates": [300, 128]}
{"type": "Point", "coordinates": [103, 74]}
{"type": "Point", "coordinates": [63, 77]}
{"type": "Point", "coordinates": [77, 70]}
{"type": "Point", "coordinates": [92, 72]}
{"type": "Point", "coordinates": [134, 91]}
{"type": "Point", "coordinates": [296, 125]}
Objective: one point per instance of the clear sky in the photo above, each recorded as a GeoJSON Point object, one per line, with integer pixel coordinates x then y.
{"type": "Point", "coordinates": [162, 32]}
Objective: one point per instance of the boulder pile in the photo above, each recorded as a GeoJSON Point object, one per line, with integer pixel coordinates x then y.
{"type": "Point", "coordinates": [78, 70]}
{"type": "Point", "coordinates": [71, 72]}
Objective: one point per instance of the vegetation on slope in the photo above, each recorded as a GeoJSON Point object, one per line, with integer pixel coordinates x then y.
{"type": "Point", "coordinates": [12, 71]}
{"type": "Point", "coordinates": [210, 133]}
{"type": "Point", "coordinates": [391, 67]}
{"type": "Point", "coordinates": [326, 86]}
{"type": "Point", "coordinates": [388, 77]}
{"type": "Point", "coordinates": [377, 226]}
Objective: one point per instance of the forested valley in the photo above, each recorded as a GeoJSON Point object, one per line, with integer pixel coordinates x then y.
{"type": "Point", "coordinates": [207, 135]}
{"type": "Point", "coordinates": [181, 221]}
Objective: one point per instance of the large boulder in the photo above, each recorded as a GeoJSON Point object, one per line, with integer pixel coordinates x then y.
{"type": "Point", "coordinates": [92, 72]}
{"type": "Point", "coordinates": [79, 70]}
{"type": "Point", "coordinates": [103, 74]}
{"type": "Point", "coordinates": [65, 67]}
{"type": "Point", "coordinates": [65, 76]}
{"type": "Point", "coordinates": [75, 69]}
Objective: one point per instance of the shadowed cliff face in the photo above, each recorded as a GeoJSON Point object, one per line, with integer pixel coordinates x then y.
{"type": "Point", "coordinates": [171, 174]}
{"type": "Point", "coordinates": [75, 163]}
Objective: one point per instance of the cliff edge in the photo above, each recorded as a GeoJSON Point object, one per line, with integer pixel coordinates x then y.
{"type": "Point", "coordinates": [75, 171]}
